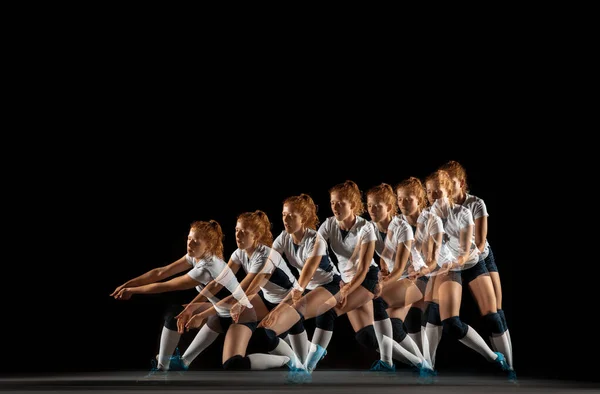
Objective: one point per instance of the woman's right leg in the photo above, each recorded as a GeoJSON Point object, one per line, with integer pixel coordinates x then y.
{"type": "Point", "coordinates": [238, 336]}
{"type": "Point", "coordinates": [450, 292]}
{"type": "Point", "coordinates": [285, 316]}
{"type": "Point", "coordinates": [414, 315]}
{"type": "Point", "coordinates": [170, 337]}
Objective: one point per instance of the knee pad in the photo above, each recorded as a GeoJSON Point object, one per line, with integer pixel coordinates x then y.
{"type": "Point", "coordinates": [269, 337]}
{"type": "Point", "coordinates": [367, 338]}
{"type": "Point", "coordinates": [454, 327]}
{"type": "Point", "coordinates": [237, 363]}
{"type": "Point", "coordinates": [251, 325]}
{"type": "Point", "coordinates": [298, 327]}
{"type": "Point", "coordinates": [170, 321]}
{"type": "Point", "coordinates": [501, 313]}
{"type": "Point", "coordinates": [398, 329]}
{"type": "Point", "coordinates": [325, 320]}
{"type": "Point", "coordinates": [379, 309]}
{"type": "Point", "coordinates": [433, 314]}
{"type": "Point", "coordinates": [413, 320]}
{"type": "Point", "coordinates": [493, 323]}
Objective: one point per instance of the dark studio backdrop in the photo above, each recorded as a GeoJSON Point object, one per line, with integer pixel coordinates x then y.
{"type": "Point", "coordinates": [133, 214]}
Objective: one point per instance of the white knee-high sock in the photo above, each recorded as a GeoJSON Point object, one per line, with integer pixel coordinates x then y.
{"type": "Point", "coordinates": [433, 334]}
{"type": "Point", "coordinates": [168, 342]}
{"type": "Point", "coordinates": [509, 358]}
{"type": "Point", "coordinates": [425, 346]}
{"type": "Point", "coordinates": [501, 344]}
{"type": "Point", "coordinates": [322, 338]}
{"type": "Point", "coordinates": [403, 355]}
{"type": "Point", "coordinates": [201, 341]}
{"type": "Point", "coordinates": [283, 349]}
{"type": "Point", "coordinates": [301, 345]}
{"type": "Point", "coordinates": [384, 333]}
{"type": "Point", "coordinates": [410, 345]}
{"type": "Point", "coordinates": [416, 337]}
{"type": "Point", "coordinates": [473, 340]}
{"type": "Point", "coordinates": [260, 361]}
{"type": "Point", "coordinates": [287, 340]}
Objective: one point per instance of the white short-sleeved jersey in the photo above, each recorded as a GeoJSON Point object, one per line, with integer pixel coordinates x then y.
{"type": "Point", "coordinates": [428, 225]}
{"type": "Point", "coordinates": [213, 268]}
{"type": "Point", "coordinates": [346, 246]}
{"type": "Point", "coordinates": [398, 232]}
{"type": "Point", "coordinates": [456, 219]}
{"type": "Point", "coordinates": [312, 244]}
{"type": "Point", "coordinates": [380, 237]}
{"type": "Point", "coordinates": [265, 260]}
{"type": "Point", "coordinates": [478, 209]}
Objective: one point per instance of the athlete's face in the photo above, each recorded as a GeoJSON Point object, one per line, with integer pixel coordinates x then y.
{"type": "Point", "coordinates": [456, 186]}
{"type": "Point", "coordinates": [378, 209]}
{"type": "Point", "coordinates": [244, 237]}
{"type": "Point", "coordinates": [408, 202]}
{"type": "Point", "coordinates": [435, 191]}
{"type": "Point", "coordinates": [196, 245]}
{"type": "Point", "coordinates": [341, 207]}
{"type": "Point", "coordinates": [292, 221]}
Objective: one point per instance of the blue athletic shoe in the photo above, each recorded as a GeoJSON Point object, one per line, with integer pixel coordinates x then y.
{"type": "Point", "coordinates": [382, 366]}
{"type": "Point", "coordinates": [298, 376]}
{"type": "Point", "coordinates": [155, 375]}
{"type": "Point", "coordinates": [176, 363]}
{"type": "Point", "coordinates": [512, 376]}
{"type": "Point", "coordinates": [426, 373]}
{"type": "Point", "coordinates": [501, 361]}
{"type": "Point", "coordinates": [316, 357]}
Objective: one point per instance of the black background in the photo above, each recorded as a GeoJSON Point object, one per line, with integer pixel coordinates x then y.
{"type": "Point", "coordinates": [114, 212]}
{"type": "Point", "coordinates": [118, 141]}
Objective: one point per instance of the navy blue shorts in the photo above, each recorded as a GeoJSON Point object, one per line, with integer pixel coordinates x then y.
{"type": "Point", "coordinates": [490, 262]}
{"type": "Point", "coordinates": [333, 287]}
{"type": "Point", "coordinates": [421, 283]}
{"type": "Point", "coordinates": [371, 279]}
{"type": "Point", "coordinates": [456, 276]}
{"type": "Point", "coordinates": [270, 306]}
{"type": "Point", "coordinates": [474, 272]}
{"type": "Point", "coordinates": [225, 322]}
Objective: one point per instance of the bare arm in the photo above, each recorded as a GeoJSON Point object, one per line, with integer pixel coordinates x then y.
{"type": "Point", "coordinates": [433, 245]}
{"type": "Point", "coordinates": [250, 285]}
{"type": "Point", "coordinates": [182, 282]}
{"type": "Point", "coordinates": [402, 255]}
{"type": "Point", "coordinates": [481, 228]}
{"type": "Point", "coordinates": [466, 237]}
{"type": "Point", "coordinates": [211, 289]}
{"type": "Point", "coordinates": [199, 298]}
{"type": "Point", "coordinates": [156, 275]}
{"type": "Point", "coordinates": [310, 266]}
{"type": "Point", "coordinates": [364, 261]}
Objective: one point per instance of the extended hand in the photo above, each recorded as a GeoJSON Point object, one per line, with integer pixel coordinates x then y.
{"type": "Point", "coordinates": [117, 290]}
{"type": "Point", "coordinates": [183, 318]}
{"type": "Point", "coordinates": [196, 321]}
{"type": "Point", "coordinates": [236, 311]}
{"type": "Point", "coordinates": [343, 295]}
{"type": "Point", "coordinates": [123, 294]}
{"type": "Point", "coordinates": [445, 269]}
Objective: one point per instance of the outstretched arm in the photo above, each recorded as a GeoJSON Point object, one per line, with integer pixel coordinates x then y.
{"type": "Point", "coordinates": [182, 282]}
{"type": "Point", "coordinates": [155, 275]}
